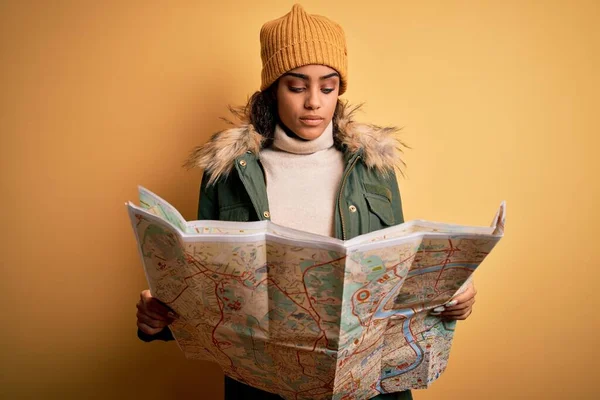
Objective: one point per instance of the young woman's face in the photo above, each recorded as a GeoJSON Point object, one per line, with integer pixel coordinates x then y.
{"type": "Point", "coordinates": [306, 99]}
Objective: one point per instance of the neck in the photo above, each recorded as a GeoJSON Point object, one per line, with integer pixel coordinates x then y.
{"type": "Point", "coordinates": [296, 145]}
{"type": "Point", "coordinates": [290, 132]}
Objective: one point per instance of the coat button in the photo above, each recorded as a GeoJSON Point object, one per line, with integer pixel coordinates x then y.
{"type": "Point", "coordinates": [266, 214]}
{"type": "Point", "coordinates": [243, 163]}
{"type": "Point", "coordinates": [352, 208]}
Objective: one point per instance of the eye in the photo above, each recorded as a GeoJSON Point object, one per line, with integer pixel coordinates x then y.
{"type": "Point", "coordinates": [296, 89]}
{"type": "Point", "coordinates": [327, 90]}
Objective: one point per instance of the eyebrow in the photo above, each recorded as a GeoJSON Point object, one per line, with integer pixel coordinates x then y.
{"type": "Point", "coordinates": [305, 77]}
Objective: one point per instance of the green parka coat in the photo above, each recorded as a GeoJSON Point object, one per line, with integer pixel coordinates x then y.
{"type": "Point", "coordinates": [233, 186]}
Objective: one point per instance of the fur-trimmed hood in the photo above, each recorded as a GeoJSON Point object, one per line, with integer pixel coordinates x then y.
{"type": "Point", "coordinates": [380, 146]}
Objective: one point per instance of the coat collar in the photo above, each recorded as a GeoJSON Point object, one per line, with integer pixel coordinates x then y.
{"type": "Point", "coordinates": [379, 147]}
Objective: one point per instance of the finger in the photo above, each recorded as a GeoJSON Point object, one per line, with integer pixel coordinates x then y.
{"type": "Point", "coordinates": [464, 296]}
{"type": "Point", "coordinates": [163, 307]}
{"type": "Point", "coordinates": [153, 323]}
{"type": "Point", "coordinates": [456, 313]}
{"type": "Point", "coordinates": [462, 316]}
{"type": "Point", "coordinates": [451, 303]}
{"type": "Point", "coordinates": [462, 306]}
{"type": "Point", "coordinates": [158, 307]}
{"type": "Point", "coordinates": [145, 296]}
{"type": "Point", "coordinates": [147, 329]}
{"type": "Point", "coordinates": [145, 309]}
{"type": "Point", "coordinates": [150, 300]}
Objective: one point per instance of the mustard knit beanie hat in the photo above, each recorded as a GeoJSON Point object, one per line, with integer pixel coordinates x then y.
{"type": "Point", "coordinates": [298, 39]}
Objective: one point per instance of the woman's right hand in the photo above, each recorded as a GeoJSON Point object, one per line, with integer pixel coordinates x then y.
{"type": "Point", "coordinates": [152, 315]}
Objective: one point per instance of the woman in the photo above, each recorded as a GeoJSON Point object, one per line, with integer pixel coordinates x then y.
{"type": "Point", "coordinates": [299, 160]}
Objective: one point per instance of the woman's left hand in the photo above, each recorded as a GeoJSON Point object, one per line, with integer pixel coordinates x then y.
{"type": "Point", "coordinates": [461, 306]}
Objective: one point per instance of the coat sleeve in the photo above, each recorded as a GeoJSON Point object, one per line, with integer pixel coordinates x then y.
{"type": "Point", "coordinates": [208, 207]}
{"type": "Point", "coordinates": [396, 198]}
{"type": "Point", "coordinates": [208, 203]}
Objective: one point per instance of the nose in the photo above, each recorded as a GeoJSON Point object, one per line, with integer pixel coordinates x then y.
{"type": "Point", "coordinates": [312, 101]}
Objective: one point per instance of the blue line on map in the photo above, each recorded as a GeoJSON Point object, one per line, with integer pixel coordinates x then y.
{"type": "Point", "coordinates": [438, 267]}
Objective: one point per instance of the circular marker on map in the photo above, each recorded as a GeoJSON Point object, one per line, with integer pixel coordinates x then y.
{"type": "Point", "coordinates": [363, 295]}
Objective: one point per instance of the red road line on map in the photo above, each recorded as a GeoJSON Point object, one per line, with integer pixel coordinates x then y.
{"type": "Point", "coordinates": [317, 320]}
{"type": "Point", "coordinates": [448, 255]}
{"type": "Point", "coordinates": [401, 262]}
{"type": "Point", "coordinates": [237, 277]}
{"type": "Point", "coordinates": [317, 341]}
{"type": "Point", "coordinates": [302, 366]}
{"type": "Point", "coordinates": [308, 390]}
{"type": "Point", "coordinates": [465, 262]}
{"type": "Point", "coordinates": [352, 377]}
{"type": "Point", "coordinates": [330, 383]}
{"type": "Point", "coordinates": [309, 297]}
{"type": "Point", "coordinates": [215, 341]}
{"type": "Point", "coordinates": [432, 251]}
{"type": "Point", "coordinates": [453, 262]}
{"type": "Point", "coordinates": [284, 292]}
{"type": "Point", "coordinates": [438, 294]}
{"type": "Point", "coordinates": [186, 286]}
{"type": "Point", "coordinates": [352, 382]}
{"type": "Point", "coordinates": [362, 339]}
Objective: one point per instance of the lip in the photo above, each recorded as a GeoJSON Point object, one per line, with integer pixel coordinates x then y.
{"type": "Point", "coordinates": [311, 120]}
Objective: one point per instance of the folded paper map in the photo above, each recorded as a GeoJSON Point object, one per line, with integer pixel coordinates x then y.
{"type": "Point", "coordinates": [308, 316]}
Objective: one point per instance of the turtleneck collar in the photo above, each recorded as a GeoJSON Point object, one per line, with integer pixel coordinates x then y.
{"type": "Point", "coordinates": [294, 145]}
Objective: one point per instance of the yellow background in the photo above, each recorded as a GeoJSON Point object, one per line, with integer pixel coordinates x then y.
{"type": "Point", "coordinates": [498, 100]}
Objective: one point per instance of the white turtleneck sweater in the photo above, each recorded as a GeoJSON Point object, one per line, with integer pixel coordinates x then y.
{"type": "Point", "coordinates": [302, 181]}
